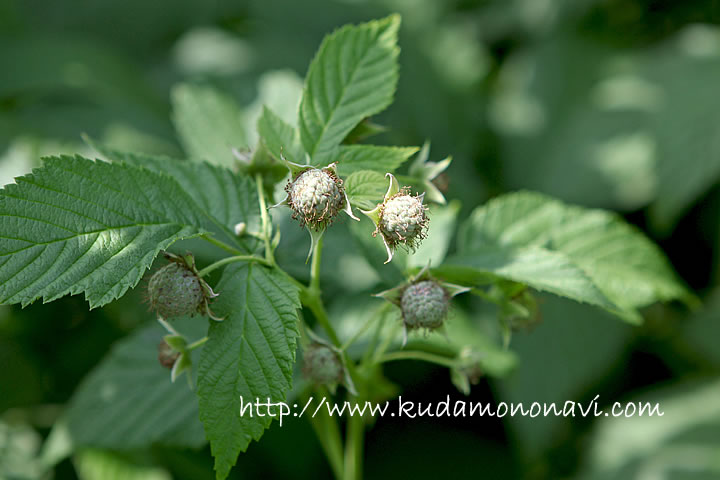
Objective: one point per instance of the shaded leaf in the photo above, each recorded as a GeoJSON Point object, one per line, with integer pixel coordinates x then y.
{"type": "Point", "coordinates": [249, 356]}
{"type": "Point", "coordinates": [209, 123]}
{"type": "Point", "coordinates": [588, 255]}
{"type": "Point", "coordinates": [128, 400]}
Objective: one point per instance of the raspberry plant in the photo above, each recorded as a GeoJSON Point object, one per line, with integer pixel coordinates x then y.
{"type": "Point", "coordinates": [94, 227]}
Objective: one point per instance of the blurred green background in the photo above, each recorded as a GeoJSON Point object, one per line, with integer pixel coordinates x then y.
{"type": "Point", "coordinates": [603, 103]}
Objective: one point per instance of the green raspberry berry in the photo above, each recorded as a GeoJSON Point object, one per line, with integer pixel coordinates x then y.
{"type": "Point", "coordinates": [424, 305]}
{"type": "Point", "coordinates": [403, 220]}
{"type": "Point", "coordinates": [316, 196]}
{"type": "Point", "coordinates": [175, 291]}
{"type": "Point", "coordinates": [322, 364]}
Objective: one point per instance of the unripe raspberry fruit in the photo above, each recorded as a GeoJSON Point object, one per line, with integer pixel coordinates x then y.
{"type": "Point", "coordinates": [315, 196]}
{"type": "Point", "coordinates": [322, 364]}
{"type": "Point", "coordinates": [424, 305]}
{"type": "Point", "coordinates": [174, 291]}
{"type": "Point", "coordinates": [403, 220]}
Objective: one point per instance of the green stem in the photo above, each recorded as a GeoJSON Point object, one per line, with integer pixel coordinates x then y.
{"type": "Point", "coordinates": [354, 439]}
{"type": "Point", "coordinates": [377, 354]}
{"type": "Point", "coordinates": [316, 306]}
{"type": "Point", "coordinates": [197, 343]}
{"type": "Point", "coordinates": [376, 316]}
{"type": "Point", "coordinates": [328, 434]}
{"type": "Point", "coordinates": [315, 266]}
{"type": "Point", "coordinates": [269, 255]}
{"type": "Point", "coordinates": [220, 244]}
{"type": "Point", "coordinates": [226, 260]}
{"type": "Point", "coordinates": [418, 355]}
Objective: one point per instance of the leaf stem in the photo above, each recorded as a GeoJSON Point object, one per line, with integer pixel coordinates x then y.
{"type": "Point", "coordinates": [418, 355]}
{"type": "Point", "coordinates": [266, 227]}
{"type": "Point", "coordinates": [226, 260]}
{"type": "Point", "coordinates": [223, 245]}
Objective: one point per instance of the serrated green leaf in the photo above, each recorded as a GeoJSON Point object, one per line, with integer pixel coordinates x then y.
{"type": "Point", "coordinates": [365, 188]}
{"type": "Point", "coordinates": [94, 464]}
{"type": "Point", "coordinates": [249, 355]}
{"type": "Point", "coordinates": [227, 197]}
{"type": "Point", "coordinates": [78, 226]}
{"type": "Point", "coordinates": [354, 158]}
{"type": "Point", "coordinates": [128, 401]}
{"type": "Point", "coordinates": [587, 255]}
{"type": "Point", "coordinates": [280, 138]}
{"type": "Point", "coordinates": [353, 75]}
{"type": "Point", "coordinates": [209, 123]}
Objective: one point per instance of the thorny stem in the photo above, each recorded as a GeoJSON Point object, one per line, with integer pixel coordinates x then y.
{"type": "Point", "coordinates": [223, 245]}
{"type": "Point", "coordinates": [226, 260]}
{"type": "Point", "coordinates": [266, 227]}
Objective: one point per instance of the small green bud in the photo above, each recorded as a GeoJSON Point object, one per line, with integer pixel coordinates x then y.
{"type": "Point", "coordinates": [424, 305]}
{"type": "Point", "coordinates": [322, 364]}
